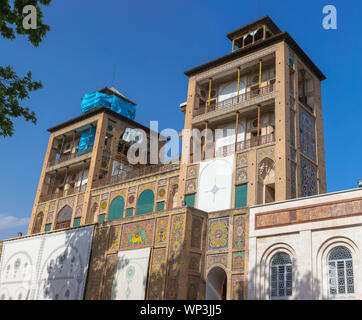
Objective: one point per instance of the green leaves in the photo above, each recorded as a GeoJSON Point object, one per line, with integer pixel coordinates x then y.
{"type": "Point", "coordinates": [11, 20]}
{"type": "Point", "coordinates": [12, 90]}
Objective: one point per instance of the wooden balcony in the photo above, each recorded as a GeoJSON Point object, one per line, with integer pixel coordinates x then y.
{"type": "Point", "coordinates": [69, 157]}
{"type": "Point", "coordinates": [246, 144]}
{"type": "Point", "coordinates": [244, 97]}
{"type": "Point", "coordinates": [63, 193]}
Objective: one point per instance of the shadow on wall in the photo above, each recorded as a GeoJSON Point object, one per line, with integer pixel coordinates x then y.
{"type": "Point", "coordinates": [64, 272]}
{"type": "Point", "coordinates": [304, 287]}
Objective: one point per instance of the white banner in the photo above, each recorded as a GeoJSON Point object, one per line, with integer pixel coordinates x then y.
{"type": "Point", "coordinates": [46, 267]}
{"type": "Point", "coordinates": [130, 277]}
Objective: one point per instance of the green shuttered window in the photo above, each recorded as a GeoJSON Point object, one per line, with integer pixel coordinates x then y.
{"type": "Point", "coordinates": [190, 200]}
{"type": "Point", "coordinates": [241, 193]}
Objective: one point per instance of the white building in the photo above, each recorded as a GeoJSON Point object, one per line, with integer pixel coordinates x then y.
{"type": "Point", "coordinates": [309, 248]}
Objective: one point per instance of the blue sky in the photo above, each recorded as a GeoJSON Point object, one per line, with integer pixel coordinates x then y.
{"type": "Point", "coordinates": [150, 44]}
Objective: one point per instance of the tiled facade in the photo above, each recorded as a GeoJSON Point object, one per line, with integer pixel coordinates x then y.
{"type": "Point", "coordinates": [277, 159]}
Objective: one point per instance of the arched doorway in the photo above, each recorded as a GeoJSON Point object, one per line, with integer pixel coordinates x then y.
{"type": "Point", "coordinates": [216, 284]}
{"type": "Point", "coordinates": [145, 202]}
{"type": "Point", "coordinates": [64, 218]}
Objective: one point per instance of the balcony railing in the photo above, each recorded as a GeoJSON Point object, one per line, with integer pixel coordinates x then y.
{"type": "Point", "coordinates": [136, 173]}
{"type": "Point", "coordinates": [246, 144]}
{"type": "Point", "coordinates": [70, 156]}
{"type": "Point", "coordinates": [254, 93]}
{"type": "Point", "coordinates": [63, 193]}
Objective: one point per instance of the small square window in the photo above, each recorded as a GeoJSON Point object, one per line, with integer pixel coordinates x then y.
{"type": "Point", "coordinates": [76, 222]}
{"type": "Point", "coordinates": [160, 206]}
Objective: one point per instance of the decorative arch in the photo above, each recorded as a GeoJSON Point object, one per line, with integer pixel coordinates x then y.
{"type": "Point", "coordinates": [216, 284]}
{"type": "Point", "coordinates": [64, 218]}
{"type": "Point", "coordinates": [38, 222]}
{"type": "Point", "coordinates": [264, 269]}
{"type": "Point", "coordinates": [266, 181]}
{"type": "Point", "coordinates": [266, 169]}
{"type": "Point", "coordinates": [145, 202]}
{"type": "Point", "coordinates": [321, 287]}
{"type": "Point", "coordinates": [173, 197]}
{"type": "Point", "coordinates": [116, 208]}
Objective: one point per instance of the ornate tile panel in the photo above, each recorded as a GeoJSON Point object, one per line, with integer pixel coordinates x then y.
{"type": "Point", "coordinates": [266, 152]}
{"type": "Point", "coordinates": [242, 160]}
{"type": "Point", "coordinates": [161, 230]}
{"type": "Point", "coordinates": [217, 259]}
{"type": "Point", "coordinates": [238, 261]}
{"type": "Point", "coordinates": [241, 175]}
{"type": "Point", "coordinates": [111, 264]}
{"type": "Point", "coordinates": [194, 262]}
{"type": "Point", "coordinates": [193, 287]}
{"type": "Point", "coordinates": [293, 180]}
{"type": "Point", "coordinates": [115, 237]}
{"type": "Point", "coordinates": [161, 193]}
{"type": "Point", "coordinates": [308, 178]}
{"type": "Point", "coordinates": [190, 186]}
{"type": "Point", "coordinates": [176, 247]}
{"type": "Point", "coordinates": [239, 229]}
{"type": "Point", "coordinates": [157, 274]}
{"type": "Point", "coordinates": [137, 234]}
{"type": "Point", "coordinates": [192, 172]}
{"type": "Point", "coordinates": [307, 134]}
{"type": "Point", "coordinates": [238, 285]}
{"type": "Point", "coordinates": [218, 233]}
{"type": "Point", "coordinates": [196, 232]}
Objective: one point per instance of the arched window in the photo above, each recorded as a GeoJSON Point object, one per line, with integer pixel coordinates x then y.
{"type": "Point", "coordinates": [116, 208]}
{"type": "Point", "coordinates": [281, 276]}
{"type": "Point", "coordinates": [38, 222]}
{"type": "Point", "coordinates": [145, 202]}
{"type": "Point", "coordinates": [340, 272]}
{"type": "Point", "coordinates": [64, 218]}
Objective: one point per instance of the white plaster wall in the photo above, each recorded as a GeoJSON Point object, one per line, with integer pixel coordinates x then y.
{"type": "Point", "coordinates": [308, 245]}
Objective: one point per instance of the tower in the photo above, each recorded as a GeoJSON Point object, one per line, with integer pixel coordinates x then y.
{"type": "Point", "coordinates": [266, 96]}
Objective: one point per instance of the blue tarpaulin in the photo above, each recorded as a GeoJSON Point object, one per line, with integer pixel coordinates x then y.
{"type": "Point", "coordinates": [86, 139]}
{"type": "Point", "coordinates": [96, 99]}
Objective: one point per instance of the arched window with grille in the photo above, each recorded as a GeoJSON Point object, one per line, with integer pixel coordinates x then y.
{"type": "Point", "coordinates": [281, 277]}
{"type": "Point", "coordinates": [340, 272]}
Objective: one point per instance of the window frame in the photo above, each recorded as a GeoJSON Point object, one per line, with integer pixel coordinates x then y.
{"type": "Point", "coordinates": [340, 295]}
{"type": "Point", "coordinates": [284, 297]}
